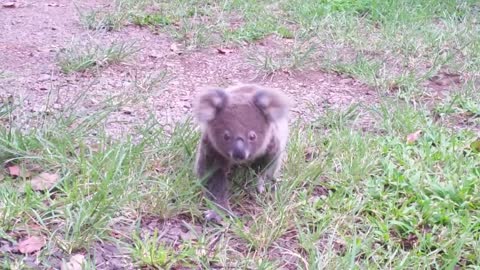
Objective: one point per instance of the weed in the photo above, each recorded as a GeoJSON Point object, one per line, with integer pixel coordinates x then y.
{"type": "Point", "coordinates": [97, 20]}
{"type": "Point", "coordinates": [155, 19]}
{"type": "Point", "coordinates": [112, 19]}
{"type": "Point", "coordinates": [149, 252]}
{"type": "Point", "coordinates": [462, 102]}
{"type": "Point", "coordinates": [81, 57]}
{"type": "Point", "coordinates": [192, 34]}
{"type": "Point", "coordinates": [295, 57]}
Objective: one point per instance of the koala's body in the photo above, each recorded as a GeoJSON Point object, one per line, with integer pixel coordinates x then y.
{"type": "Point", "coordinates": [240, 125]}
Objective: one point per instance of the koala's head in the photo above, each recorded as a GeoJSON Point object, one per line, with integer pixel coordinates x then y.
{"type": "Point", "coordinates": [239, 121]}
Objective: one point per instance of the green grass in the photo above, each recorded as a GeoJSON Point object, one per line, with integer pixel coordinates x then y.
{"type": "Point", "coordinates": [390, 45]}
{"type": "Point", "coordinates": [402, 42]}
{"type": "Point", "coordinates": [380, 193]}
{"type": "Point", "coordinates": [79, 56]}
{"type": "Point", "coordinates": [362, 199]}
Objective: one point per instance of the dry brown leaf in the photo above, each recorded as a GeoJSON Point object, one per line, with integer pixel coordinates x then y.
{"type": "Point", "coordinates": [14, 170]}
{"type": "Point", "coordinates": [17, 171]}
{"type": "Point", "coordinates": [224, 51]}
{"type": "Point", "coordinates": [31, 244]}
{"type": "Point", "coordinates": [413, 137]}
{"type": "Point", "coordinates": [75, 263]}
{"type": "Point", "coordinates": [44, 181]}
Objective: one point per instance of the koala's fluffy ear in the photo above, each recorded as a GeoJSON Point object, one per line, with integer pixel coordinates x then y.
{"type": "Point", "coordinates": [274, 104]}
{"type": "Point", "coordinates": [208, 103]}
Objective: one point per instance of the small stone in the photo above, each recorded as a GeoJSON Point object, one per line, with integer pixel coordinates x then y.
{"type": "Point", "coordinates": [43, 77]}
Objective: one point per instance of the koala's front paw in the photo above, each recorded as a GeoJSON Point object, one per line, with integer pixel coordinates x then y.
{"type": "Point", "coordinates": [211, 215]}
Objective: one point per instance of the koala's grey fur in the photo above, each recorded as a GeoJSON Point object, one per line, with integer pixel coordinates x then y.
{"type": "Point", "coordinates": [242, 124]}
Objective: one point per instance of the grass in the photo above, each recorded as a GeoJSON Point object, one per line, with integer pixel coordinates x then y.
{"type": "Point", "coordinates": [347, 198]}
{"type": "Point", "coordinates": [380, 194]}
{"type": "Point", "coordinates": [360, 38]}
{"type": "Point", "coordinates": [79, 56]}
{"type": "Point", "coordinates": [113, 18]}
{"type": "Point", "coordinates": [359, 27]}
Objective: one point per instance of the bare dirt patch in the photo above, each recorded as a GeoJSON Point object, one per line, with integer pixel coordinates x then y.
{"type": "Point", "coordinates": [33, 33]}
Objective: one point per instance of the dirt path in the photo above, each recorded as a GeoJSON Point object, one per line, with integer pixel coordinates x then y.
{"type": "Point", "coordinates": [33, 32]}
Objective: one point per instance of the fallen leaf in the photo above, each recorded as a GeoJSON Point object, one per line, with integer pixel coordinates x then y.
{"type": "Point", "coordinates": [9, 4]}
{"type": "Point", "coordinates": [31, 244]}
{"type": "Point", "coordinates": [44, 181]}
{"type": "Point", "coordinates": [13, 170]}
{"type": "Point", "coordinates": [17, 171]}
{"type": "Point", "coordinates": [475, 146]}
{"type": "Point", "coordinates": [413, 137]}
{"type": "Point", "coordinates": [75, 263]}
{"type": "Point", "coordinates": [224, 51]}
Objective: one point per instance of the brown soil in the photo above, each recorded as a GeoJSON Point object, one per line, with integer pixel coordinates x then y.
{"type": "Point", "coordinates": [33, 32]}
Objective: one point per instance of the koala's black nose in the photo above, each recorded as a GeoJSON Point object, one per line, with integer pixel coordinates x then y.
{"type": "Point", "coordinates": [238, 152]}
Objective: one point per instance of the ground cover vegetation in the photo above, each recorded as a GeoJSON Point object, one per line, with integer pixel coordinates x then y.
{"type": "Point", "coordinates": [398, 192]}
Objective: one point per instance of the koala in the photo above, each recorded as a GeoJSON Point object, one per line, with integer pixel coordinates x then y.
{"type": "Point", "coordinates": [243, 124]}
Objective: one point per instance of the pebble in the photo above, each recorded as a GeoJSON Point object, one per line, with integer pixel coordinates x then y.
{"type": "Point", "coordinates": [43, 77]}
{"type": "Point", "coordinates": [9, 4]}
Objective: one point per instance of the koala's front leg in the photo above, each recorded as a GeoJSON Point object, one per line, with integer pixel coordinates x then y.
{"type": "Point", "coordinates": [213, 168]}
{"type": "Point", "coordinates": [267, 169]}
{"type": "Point", "coordinates": [269, 165]}
{"type": "Point", "coordinates": [217, 192]}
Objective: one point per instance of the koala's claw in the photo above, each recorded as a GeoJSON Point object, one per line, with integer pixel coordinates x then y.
{"type": "Point", "coordinates": [211, 215]}
{"type": "Point", "coordinates": [261, 185]}
{"type": "Point", "coordinates": [261, 188]}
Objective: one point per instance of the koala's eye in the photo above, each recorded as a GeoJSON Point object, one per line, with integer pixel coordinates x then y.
{"type": "Point", "coordinates": [252, 136]}
{"type": "Point", "coordinates": [226, 136]}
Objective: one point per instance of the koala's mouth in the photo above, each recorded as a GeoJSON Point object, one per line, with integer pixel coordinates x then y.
{"type": "Point", "coordinates": [239, 156]}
